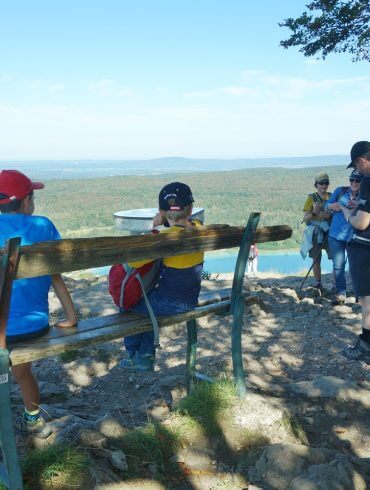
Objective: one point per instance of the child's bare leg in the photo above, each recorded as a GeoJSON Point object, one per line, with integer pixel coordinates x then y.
{"type": "Point", "coordinates": [28, 385]}
{"type": "Point", "coordinates": [32, 422]}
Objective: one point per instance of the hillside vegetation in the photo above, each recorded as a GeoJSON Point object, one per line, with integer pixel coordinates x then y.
{"type": "Point", "coordinates": [85, 207]}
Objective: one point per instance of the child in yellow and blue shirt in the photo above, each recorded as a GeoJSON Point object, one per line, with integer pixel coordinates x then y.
{"type": "Point", "coordinates": [180, 278]}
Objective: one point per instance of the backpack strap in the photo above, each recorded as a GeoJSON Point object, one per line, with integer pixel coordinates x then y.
{"type": "Point", "coordinates": [342, 192]}
{"type": "Point", "coordinates": [129, 270]}
{"type": "Point", "coordinates": [152, 316]}
{"type": "Point", "coordinates": [314, 197]}
{"type": "Point", "coordinates": [317, 198]}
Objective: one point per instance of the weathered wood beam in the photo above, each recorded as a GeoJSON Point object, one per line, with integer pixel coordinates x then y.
{"type": "Point", "coordinates": [116, 327]}
{"type": "Point", "coordinates": [83, 253]}
{"type": "Point", "coordinates": [104, 329]}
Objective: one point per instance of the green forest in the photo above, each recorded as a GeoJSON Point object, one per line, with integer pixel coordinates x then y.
{"type": "Point", "coordinates": [85, 207]}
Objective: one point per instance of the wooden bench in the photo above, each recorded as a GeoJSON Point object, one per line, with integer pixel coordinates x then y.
{"type": "Point", "coordinates": [75, 254]}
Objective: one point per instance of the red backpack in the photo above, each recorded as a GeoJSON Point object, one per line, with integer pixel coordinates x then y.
{"type": "Point", "coordinates": [128, 285]}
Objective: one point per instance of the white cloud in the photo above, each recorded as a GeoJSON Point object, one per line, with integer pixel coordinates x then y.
{"type": "Point", "coordinates": [107, 88]}
{"type": "Point", "coordinates": [42, 85]}
{"type": "Point", "coordinates": [56, 88]}
{"type": "Point", "coordinates": [5, 77]}
{"type": "Point", "coordinates": [236, 91]}
{"type": "Point", "coordinates": [192, 130]}
{"type": "Point", "coordinates": [296, 115]}
{"type": "Point", "coordinates": [313, 61]}
{"type": "Point", "coordinates": [250, 74]}
{"type": "Point", "coordinates": [261, 83]}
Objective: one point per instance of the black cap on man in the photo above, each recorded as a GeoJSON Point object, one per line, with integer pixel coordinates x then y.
{"type": "Point", "coordinates": [358, 150]}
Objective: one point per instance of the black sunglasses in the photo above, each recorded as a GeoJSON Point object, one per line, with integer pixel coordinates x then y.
{"type": "Point", "coordinates": [324, 182]}
{"type": "Point", "coordinates": [355, 180]}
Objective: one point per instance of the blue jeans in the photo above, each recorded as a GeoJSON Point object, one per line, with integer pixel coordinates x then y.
{"type": "Point", "coordinates": [143, 343]}
{"type": "Point", "coordinates": [338, 250]}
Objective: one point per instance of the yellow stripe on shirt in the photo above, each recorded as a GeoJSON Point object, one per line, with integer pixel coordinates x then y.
{"type": "Point", "coordinates": [177, 261]}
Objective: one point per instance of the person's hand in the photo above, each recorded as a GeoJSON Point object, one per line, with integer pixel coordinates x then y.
{"type": "Point", "coordinates": [67, 323]}
{"type": "Point", "coordinates": [158, 220]}
{"type": "Point", "coordinates": [345, 211]}
{"type": "Point", "coordinates": [316, 208]}
{"type": "Point", "coordinates": [352, 203]}
{"type": "Point", "coordinates": [335, 206]}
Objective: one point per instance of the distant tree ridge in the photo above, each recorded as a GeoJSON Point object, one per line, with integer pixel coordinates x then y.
{"type": "Point", "coordinates": [84, 208]}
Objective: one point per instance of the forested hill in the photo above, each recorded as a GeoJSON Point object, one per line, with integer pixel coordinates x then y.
{"type": "Point", "coordinates": [77, 169]}
{"type": "Point", "coordinates": [84, 207]}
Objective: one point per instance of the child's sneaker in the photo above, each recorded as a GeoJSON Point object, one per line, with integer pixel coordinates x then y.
{"type": "Point", "coordinates": [360, 351]}
{"type": "Point", "coordinates": [138, 363]}
{"type": "Point", "coordinates": [38, 428]}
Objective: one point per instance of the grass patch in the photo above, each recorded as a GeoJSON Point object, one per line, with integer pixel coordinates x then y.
{"type": "Point", "coordinates": [149, 451]}
{"type": "Point", "coordinates": [207, 403]}
{"type": "Point", "coordinates": [69, 356]}
{"type": "Point", "coordinates": [252, 440]}
{"type": "Point", "coordinates": [55, 465]}
{"type": "Point", "coordinates": [295, 427]}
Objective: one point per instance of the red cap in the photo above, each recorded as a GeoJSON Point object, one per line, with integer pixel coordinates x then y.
{"type": "Point", "coordinates": [16, 185]}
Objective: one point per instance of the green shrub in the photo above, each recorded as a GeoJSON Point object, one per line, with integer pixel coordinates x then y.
{"type": "Point", "coordinates": [207, 402]}
{"type": "Point", "coordinates": [65, 463]}
{"type": "Point", "coordinates": [152, 447]}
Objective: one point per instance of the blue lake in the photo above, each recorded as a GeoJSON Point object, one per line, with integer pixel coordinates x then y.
{"type": "Point", "coordinates": [282, 262]}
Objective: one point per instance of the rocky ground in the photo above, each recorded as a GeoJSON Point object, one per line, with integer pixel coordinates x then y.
{"type": "Point", "coordinates": [307, 406]}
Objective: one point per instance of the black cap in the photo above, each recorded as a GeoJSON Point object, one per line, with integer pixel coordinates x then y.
{"type": "Point", "coordinates": [175, 197]}
{"type": "Point", "coordinates": [358, 149]}
{"type": "Point", "coordinates": [355, 174]}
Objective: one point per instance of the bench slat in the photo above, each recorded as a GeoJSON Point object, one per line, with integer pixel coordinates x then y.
{"type": "Point", "coordinates": [92, 332]}
{"type": "Point", "coordinates": [83, 253]}
{"type": "Point", "coordinates": [116, 318]}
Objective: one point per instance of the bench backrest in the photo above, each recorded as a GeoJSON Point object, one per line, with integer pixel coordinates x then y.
{"type": "Point", "coordinates": [82, 253]}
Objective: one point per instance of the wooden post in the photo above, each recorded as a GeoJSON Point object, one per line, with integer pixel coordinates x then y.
{"type": "Point", "coordinates": [8, 270]}
{"type": "Point", "coordinates": [191, 353]}
{"type": "Point", "coordinates": [237, 302]}
{"type": "Point", "coordinates": [13, 475]}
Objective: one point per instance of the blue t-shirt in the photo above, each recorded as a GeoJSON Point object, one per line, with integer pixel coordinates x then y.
{"type": "Point", "coordinates": [339, 228]}
{"type": "Point", "coordinates": [29, 306]}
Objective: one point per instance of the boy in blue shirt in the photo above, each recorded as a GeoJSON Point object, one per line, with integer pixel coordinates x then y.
{"type": "Point", "coordinates": [29, 309]}
{"type": "Point", "coordinates": [179, 284]}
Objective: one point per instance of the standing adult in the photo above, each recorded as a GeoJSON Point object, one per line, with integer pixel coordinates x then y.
{"type": "Point", "coordinates": [317, 219]}
{"type": "Point", "coordinates": [253, 261]}
{"type": "Point", "coordinates": [359, 250]}
{"type": "Point", "coordinates": [340, 231]}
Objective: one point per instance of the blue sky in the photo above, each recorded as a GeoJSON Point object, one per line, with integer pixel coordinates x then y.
{"type": "Point", "coordinates": [145, 79]}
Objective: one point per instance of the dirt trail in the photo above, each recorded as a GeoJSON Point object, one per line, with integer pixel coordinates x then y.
{"type": "Point", "coordinates": [293, 365]}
